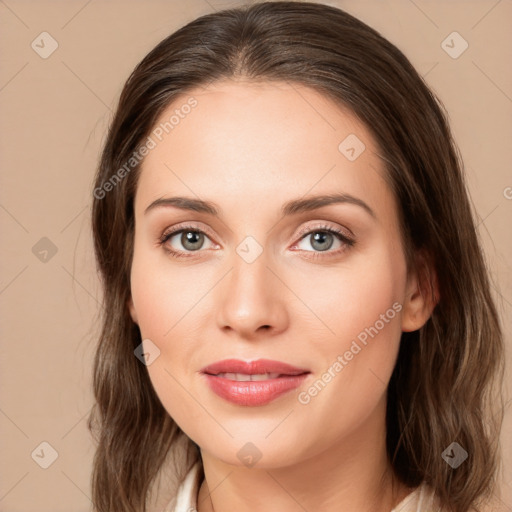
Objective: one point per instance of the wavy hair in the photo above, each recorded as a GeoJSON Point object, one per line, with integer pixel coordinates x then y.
{"type": "Point", "coordinates": [447, 383]}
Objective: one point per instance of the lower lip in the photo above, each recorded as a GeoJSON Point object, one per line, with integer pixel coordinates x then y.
{"type": "Point", "coordinates": [253, 393]}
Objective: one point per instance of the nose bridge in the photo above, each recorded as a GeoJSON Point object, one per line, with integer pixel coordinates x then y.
{"type": "Point", "coordinates": [251, 297]}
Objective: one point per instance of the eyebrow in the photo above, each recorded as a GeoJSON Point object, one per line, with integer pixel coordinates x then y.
{"type": "Point", "coordinates": [289, 208]}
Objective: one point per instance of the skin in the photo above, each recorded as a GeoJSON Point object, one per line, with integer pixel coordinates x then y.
{"type": "Point", "coordinates": [250, 147]}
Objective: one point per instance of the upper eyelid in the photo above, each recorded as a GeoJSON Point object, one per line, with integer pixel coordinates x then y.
{"type": "Point", "coordinates": [338, 230]}
{"type": "Point", "coordinates": [190, 226]}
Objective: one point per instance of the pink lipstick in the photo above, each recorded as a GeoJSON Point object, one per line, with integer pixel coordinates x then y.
{"type": "Point", "coordinates": [252, 383]}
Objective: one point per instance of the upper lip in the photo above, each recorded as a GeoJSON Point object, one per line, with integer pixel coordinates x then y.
{"type": "Point", "coordinates": [252, 367]}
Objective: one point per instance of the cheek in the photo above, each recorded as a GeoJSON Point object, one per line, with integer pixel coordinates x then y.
{"type": "Point", "coordinates": [164, 294]}
{"type": "Point", "coordinates": [346, 300]}
{"type": "Point", "coordinates": [360, 308]}
{"type": "Point", "coordinates": [376, 309]}
{"type": "Point", "coordinates": [166, 302]}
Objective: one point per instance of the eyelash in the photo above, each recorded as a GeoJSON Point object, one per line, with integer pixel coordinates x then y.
{"type": "Point", "coordinates": [340, 235]}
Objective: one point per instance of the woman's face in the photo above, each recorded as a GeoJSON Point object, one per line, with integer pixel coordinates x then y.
{"type": "Point", "coordinates": [272, 275]}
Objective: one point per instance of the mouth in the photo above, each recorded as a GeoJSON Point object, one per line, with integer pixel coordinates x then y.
{"type": "Point", "coordinates": [253, 383]}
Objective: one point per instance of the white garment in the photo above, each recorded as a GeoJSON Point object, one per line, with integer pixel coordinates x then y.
{"type": "Point", "coordinates": [422, 499]}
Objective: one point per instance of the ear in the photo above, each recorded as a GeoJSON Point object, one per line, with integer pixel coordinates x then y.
{"type": "Point", "coordinates": [131, 308]}
{"type": "Point", "coordinates": [422, 294]}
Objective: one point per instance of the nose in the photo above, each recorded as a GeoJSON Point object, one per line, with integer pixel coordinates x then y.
{"type": "Point", "coordinates": [251, 300]}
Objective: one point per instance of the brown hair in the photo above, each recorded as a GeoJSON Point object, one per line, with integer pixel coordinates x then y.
{"type": "Point", "coordinates": [447, 373]}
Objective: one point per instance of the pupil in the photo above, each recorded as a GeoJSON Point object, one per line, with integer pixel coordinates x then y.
{"type": "Point", "coordinates": [189, 238]}
{"type": "Point", "coordinates": [320, 237]}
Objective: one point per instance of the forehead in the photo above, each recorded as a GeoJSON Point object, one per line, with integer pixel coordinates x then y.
{"type": "Point", "coordinates": [259, 141]}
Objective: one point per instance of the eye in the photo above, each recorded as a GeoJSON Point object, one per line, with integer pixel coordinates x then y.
{"type": "Point", "coordinates": [324, 238]}
{"type": "Point", "coordinates": [183, 240]}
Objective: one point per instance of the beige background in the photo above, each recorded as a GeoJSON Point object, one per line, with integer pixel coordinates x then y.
{"type": "Point", "coordinates": [54, 114]}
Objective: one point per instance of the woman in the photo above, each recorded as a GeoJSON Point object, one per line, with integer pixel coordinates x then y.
{"type": "Point", "coordinates": [297, 311]}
